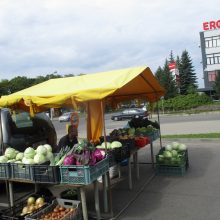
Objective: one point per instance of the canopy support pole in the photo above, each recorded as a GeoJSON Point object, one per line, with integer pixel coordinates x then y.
{"type": "Point", "coordinates": [108, 177]}
{"type": "Point", "coordinates": [158, 118]}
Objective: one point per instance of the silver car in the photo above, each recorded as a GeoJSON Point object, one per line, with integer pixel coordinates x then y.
{"type": "Point", "coordinates": [65, 117]}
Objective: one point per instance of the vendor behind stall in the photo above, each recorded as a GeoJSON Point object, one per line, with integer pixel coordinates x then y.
{"type": "Point", "coordinates": [70, 139]}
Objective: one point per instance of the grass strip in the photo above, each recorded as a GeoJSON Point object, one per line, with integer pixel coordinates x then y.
{"type": "Point", "coordinates": [205, 135]}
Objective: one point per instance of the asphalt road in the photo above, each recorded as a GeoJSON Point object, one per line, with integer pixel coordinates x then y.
{"type": "Point", "coordinates": [170, 124]}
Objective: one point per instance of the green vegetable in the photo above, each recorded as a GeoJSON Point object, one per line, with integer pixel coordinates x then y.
{"type": "Point", "coordinates": [3, 159]}
{"type": "Point", "coordinates": [167, 154]}
{"type": "Point", "coordinates": [182, 147]}
{"type": "Point", "coordinates": [28, 161]}
{"type": "Point", "coordinates": [116, 144]}
{"type": "Point", "coordinates": [168, 147]}
{"type": "Point", "coordinates": [48, 147]}
{"type": "Point", "coordinates": [175, 145]}
{"type": "Point", "coordinates": [108, 144]}
{"type": "Point", "coordinates": [29, 153]}
{"type": "Point", "coordinates": [39, 158]}
{"type": "Point", "coordinates": [174, 153]}
{"type": "Point", "coordinates": [19, 156]}
{"type": "Point", "coordinates": [41, 150]}
{"type": "Point", "coordinates": [10, 153]}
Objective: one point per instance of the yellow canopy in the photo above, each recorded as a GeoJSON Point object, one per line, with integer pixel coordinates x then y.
{"type": "Point", "coordinates": [112, 87]}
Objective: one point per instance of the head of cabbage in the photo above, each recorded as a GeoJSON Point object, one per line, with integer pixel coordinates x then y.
{"type": "Point", "coordinates": [10, 153]}
{"type": "Point", "coordinates": [29, 153]}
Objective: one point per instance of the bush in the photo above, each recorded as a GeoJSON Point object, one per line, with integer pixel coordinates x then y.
{"type": "Point", "coordinates": [184, 102]}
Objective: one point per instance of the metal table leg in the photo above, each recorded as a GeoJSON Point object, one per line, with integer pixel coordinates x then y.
{"type": "Point", "coordinates": [83, 200]}
{"type": "Point", "coordinates": [105, 194]}
{"type": "Point", "coordinates": [152, 153]}
{"type": "Point", "coordinates": [11, 193]}
{"type": "Point", "coordinates": [137, 165]}
{"type": "Point", "coordinates": [129, 174]}
{"type": "Point", "coordinates": [96, 191]}
{"type": "Point", "coordinates": [109, 194]}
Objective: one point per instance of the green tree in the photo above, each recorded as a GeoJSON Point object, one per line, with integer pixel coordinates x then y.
{"type": "Point", "coordinates": [167, 80]}
{"type": "Point", "coordinates": [170, 82]}
{"type": "Point", "coordinates": [160, 75]}
{"type": "Point", "coordinates": [188, 79]}
{"type": "Point", "coordinates": [20, 82]}
{"type": "Point", "coordinates": [4, 87]}
{"type": "Point", "coordinates": [171, 58]}
{"type": "Point", "coordinates": [217, 84]}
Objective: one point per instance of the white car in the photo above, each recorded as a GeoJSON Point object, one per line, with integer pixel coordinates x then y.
{"type": "Point", "coordinates": [65, 116]}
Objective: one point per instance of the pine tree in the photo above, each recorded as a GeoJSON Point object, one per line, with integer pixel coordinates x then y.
{"type": "Point", "coordinates": [171, 59]}
{"type": "Point", "coordinates": [188, 79]}
{"type": "Point", "coordinates": [170, 82]}
{"type": "Point", "coordinates": [159, 75]}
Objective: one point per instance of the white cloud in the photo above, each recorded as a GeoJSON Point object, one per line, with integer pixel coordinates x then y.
{"type": "Point", "coordinates": [43, 36]}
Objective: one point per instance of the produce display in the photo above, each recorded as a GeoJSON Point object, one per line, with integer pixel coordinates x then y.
{"type": "Point", "coordinates": [173, 154]}
{"type": "Point", "coordinates": [42, 154]}
{"type": "Point", "coordinates": [32, 205]}
{"type": "Point", "coordinates": [58, 213]}
{"type": "Point", "coordinates": [113, 145]}
{"type": "Point", "coordinates": [83, 153]}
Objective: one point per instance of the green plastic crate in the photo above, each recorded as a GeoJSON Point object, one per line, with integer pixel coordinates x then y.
{"type": "Point", "coordinates": [4, 171]}
{"type": "Point", "coordinates": [171, 170]}
{"type": "Point", "coordinates": [83, 175]}
{"type": "Point", "coordinates": [21, 171]}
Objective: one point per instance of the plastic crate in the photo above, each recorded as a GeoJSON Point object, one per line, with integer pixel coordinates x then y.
{"type": "Point", "coordinates": [75, 215]}
{"type": "Point", "coordinates": [14, 213]}
{"type": "Point", "coordinates": [83, 175]}
{"type": "Point", "coordinates": [156, 135]}
{"type": "Point", "coordinates": [141, 141]}
{"type": "Point", "coordinates": [4, 171]}
{"type": "Point", "coordinates": [21, 171]}
{"type": "Point", "coordinates": [121, 153]}
{"type": "Point", "coordinates": [130, 142]}
{"type": "Point", "coordinates": [184, 159]}
{"type": "Point", "coordinates": [46, 174]}
{"type": "Point", "coordinates": [165, 168]}
{"type": "Point", "coordinates": [171, 170]}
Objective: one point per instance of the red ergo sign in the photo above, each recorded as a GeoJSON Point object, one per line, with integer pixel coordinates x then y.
{"type": "Point", "coordinates": [211, 25]}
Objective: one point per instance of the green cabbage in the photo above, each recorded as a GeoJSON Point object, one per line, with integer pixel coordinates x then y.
{"type": "Point", "coordinates": [116, 144]}
{"type": "Point", "coordinates": [3, 159]}
{"type": "Point", "coordinates": [48, 147]}
{"type": "Point", "coordinates": [99, 147]}
{"type": "Point", "coordinates": [28, 161]}
{"type": "Point", "coordinates": [175, 145]}
{"type": "Point", "coordinates": [182, 147]}
{"type": "Point", "coordinates": [108, 145]}
{"type": "Point", "coordinates": [19, 156]}
{"type": "Point", "coordinates": [41, 150]}
{"type": "Point", "coordinates": [167, 154]}
{"type": "Point", "coordinates": [29, 153]}
{"type": "Point", "coordinates": [168, 147]}
{"type": "Point", "coordinates": [10, 153]}
{"type": "Point", "coordinates": [174, 153]}
{"type": "Point", "coordinates": [39, 158]}
{"type": "Point", "coordinates": [50, 156]}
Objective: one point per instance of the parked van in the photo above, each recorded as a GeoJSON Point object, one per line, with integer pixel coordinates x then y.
{"type": "Point", "coordinates": [19, 130]}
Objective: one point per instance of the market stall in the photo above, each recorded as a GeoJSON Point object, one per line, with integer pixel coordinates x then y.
{"type": "Point", "coordinates": [92, 91]}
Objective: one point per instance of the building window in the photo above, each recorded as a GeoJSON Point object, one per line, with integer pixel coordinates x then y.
{"type": "Point", "coordinates": [213, 41]}
{"type": "Point", "coordinates": [213, 58]}
{"type": "Point", "coordinates": [211, 76]}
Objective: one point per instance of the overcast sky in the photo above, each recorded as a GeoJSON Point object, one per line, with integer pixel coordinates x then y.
{"type": "Point", "coordinates": [40, 37]}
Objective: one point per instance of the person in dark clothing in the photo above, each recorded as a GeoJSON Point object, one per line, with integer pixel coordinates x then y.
{"type": "Point", "coordinates": [70, 139]}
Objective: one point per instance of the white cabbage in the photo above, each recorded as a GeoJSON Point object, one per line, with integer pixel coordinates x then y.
{"type": "Point", "coordinates": [10, 153]}
{"type": "Point", "coordinates": [41, 150]}
{"type": "Point", "coordinates": [29, 153]}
